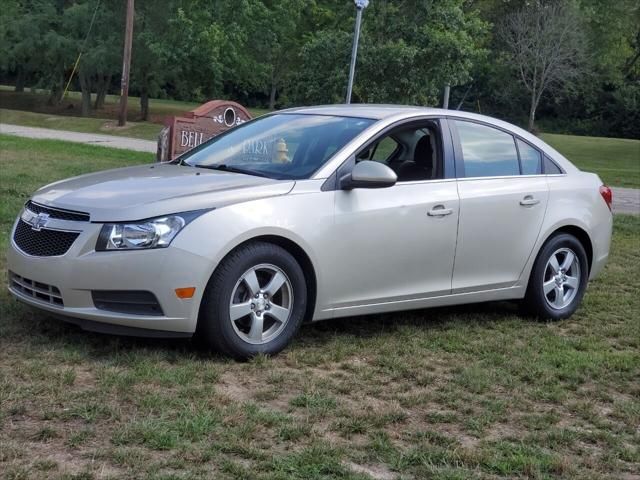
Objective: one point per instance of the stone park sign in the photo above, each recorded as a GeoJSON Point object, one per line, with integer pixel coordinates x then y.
{"type": "Point", "coordinates": [197, 126]}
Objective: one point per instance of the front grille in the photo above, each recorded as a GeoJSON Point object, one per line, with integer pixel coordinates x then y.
{"type": "Point", "coordinates": [136, 302]}
{"type": "Point", "coordinates": [58, 213]}
{"type": "Point", "coordinates": [37, 290]}
{"type": "Point", "coordinates": [42, 243]}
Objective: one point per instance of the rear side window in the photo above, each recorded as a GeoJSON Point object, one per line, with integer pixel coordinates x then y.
{"type": "Point", "coordinates": [486, 151]}
{"type": "Point", "coordinates": [530, 158]}
{"type": "Point", "coordinates": [550, 168]}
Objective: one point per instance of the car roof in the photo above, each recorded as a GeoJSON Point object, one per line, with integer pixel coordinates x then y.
{"type": "Point", "coordinates": [364, 110]}
{"type": "Point", "coordinates": [381, 112]}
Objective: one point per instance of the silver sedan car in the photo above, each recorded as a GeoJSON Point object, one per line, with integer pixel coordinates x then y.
{"type": "Point", "coordinates": [311, 214]}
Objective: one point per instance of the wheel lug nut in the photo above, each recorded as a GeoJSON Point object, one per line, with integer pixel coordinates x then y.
{"type": "Point", "coordinates": [253, 305]}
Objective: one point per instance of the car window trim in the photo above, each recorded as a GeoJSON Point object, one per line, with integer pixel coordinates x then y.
{"type": "Point", "coordinates": [500, 177]}
{"type": "Point", "coordinates": [515, 142]}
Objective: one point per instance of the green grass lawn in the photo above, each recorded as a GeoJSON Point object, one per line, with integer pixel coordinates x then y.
{"type": "Point", "coordinates": [449, 393]}
{"type": "Point", "coordinates": [616, 160]}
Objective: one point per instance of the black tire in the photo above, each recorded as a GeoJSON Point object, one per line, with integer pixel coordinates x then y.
{"type": "Point", "coordinates": [215, 327]}
{"type": "Point", "coordinates": [536, 302]}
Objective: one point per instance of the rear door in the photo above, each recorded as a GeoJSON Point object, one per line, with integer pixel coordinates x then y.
{"type": "Point", "coordinates": [503, 198]}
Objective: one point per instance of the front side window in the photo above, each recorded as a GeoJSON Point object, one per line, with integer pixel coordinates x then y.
{"type": "Point", "coordinates": [281, 146]}
{"type": "Point", "coordinates": [486, 151]}
{"type": "Point", "coordinates": [414, 153]}
{"type": "Point", "coordinates": [384, 150]}
{"type": "Point", "coordinates": [530, 159]}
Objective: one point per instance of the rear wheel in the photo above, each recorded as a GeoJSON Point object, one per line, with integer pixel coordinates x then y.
{"type": "Point", "coordinates": [254, 302]}
{"type": "Point", "coordinates": [558, 279]}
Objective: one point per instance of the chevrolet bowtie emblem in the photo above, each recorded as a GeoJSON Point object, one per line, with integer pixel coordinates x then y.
{"type": "Point", "coordinates": [36, 221]}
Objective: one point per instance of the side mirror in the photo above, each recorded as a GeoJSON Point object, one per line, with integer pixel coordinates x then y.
{"type": "Point", "coordinates": [368, 174]}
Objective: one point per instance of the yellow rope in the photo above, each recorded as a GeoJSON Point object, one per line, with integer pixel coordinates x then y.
{"type": "Point", "coordinates": [64, 94]}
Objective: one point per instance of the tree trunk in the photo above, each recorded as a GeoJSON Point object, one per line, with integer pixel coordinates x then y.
{"type": "Point", "coordinates": [85, 86]}
{"type": "Point", "coordinates": [532, 113]}
{"type": "Point", "coordinates": [20, 76]}
{"type": "Point", "coordinates": [55, 95]}
{"type": "Point", "coordinates": [101, 91]}
{"type": "Point", "coordinates": [272, 96]}
{"type": "Point", "coordinates": [144, 104]}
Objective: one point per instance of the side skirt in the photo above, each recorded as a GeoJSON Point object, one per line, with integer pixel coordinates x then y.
{"type": "Point", "coordinates": [510, 293]}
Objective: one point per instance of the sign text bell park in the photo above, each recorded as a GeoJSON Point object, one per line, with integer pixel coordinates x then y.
{"type": "Point", "coordinates": [197, 126]}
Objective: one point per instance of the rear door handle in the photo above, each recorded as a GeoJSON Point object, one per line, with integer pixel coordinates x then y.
{"type": "Point", "coordinates": [529, 201]}
{"type": "Point", "coordinates": [439, 211]}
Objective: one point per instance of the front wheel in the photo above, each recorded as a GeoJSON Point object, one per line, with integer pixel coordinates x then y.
{"type": "Point", "coordinates": [254, 302]}
{"type": "Point", "coordinates": [558, 279]}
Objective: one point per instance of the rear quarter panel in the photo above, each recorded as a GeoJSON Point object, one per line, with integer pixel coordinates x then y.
{"type": "Point", "coordinates": [575, 200]}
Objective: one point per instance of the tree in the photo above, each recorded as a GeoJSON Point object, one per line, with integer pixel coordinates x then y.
{"type": "Point", "coordinates": [151, 51]}
{"type": "Point", "coordinates": [321, 76]}
{"type": "Point", "coordinates": [32, 45]}
{"type": "Point", "coordinates": [545, 44]}
{"type": "Point", "coordinates": [281, 43]}
{"type": "Point", "coordinates": [408, 51]}
{"type": "Point", "coordinates": [100, 47]}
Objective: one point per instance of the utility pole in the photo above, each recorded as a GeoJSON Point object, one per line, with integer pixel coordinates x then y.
{"type": "Point", "coordinates": [360, 5]}
{"type": "Point", "coordinates": [445, 101]}
{"type": "Point", "coordinates": [126, 65]}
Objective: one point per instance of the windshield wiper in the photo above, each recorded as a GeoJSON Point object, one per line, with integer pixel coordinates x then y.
{"type": "Point", "coordinates": [226, 168]}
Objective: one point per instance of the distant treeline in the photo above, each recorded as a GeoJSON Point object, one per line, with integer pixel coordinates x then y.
{"type": "Point", "coordinates": [571, 65]}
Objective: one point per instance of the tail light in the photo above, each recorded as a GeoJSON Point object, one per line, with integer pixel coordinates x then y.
{"type": "Point", "coordinates": [607, 195]}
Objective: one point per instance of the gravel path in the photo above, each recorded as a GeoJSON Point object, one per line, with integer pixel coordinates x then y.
{"type": "Point", "coordinates": [111, 141]}
{"type": "Point", "coordinates": [625, 200]}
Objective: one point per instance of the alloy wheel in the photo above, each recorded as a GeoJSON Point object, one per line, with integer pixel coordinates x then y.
{"type": "Point", "coordinates": [261, 304]}
{"type": "Point", "coordinates": [561, 280]}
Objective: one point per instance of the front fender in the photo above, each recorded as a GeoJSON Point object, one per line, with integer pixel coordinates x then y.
{"type": "Point", "coordinates": [302, 219]}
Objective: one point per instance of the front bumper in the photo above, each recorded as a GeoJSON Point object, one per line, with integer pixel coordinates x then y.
{"type": "Point", "coordinates": [74, 275]}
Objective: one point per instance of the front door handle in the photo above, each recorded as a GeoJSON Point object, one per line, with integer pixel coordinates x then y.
{"type": "Point", "coordinates": [529, 201]}
{"type": "Point", "coordinates": [439, 211]}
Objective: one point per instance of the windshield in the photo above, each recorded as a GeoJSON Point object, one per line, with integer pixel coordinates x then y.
{"type": "Point", "coordinates": [281, 146]}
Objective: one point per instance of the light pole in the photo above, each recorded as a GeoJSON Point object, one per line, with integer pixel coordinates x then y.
{"type": "Point", "coordinates": [445, 99]}
{"type": "Point", "coordinates": [360, 6]}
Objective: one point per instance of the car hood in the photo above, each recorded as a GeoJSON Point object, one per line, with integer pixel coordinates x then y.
{"type": "Point", "coordinates": [136, 193]}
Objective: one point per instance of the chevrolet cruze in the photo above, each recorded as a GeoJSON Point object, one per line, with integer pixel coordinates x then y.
{"type": "Point", "coordinates": [310, 214]}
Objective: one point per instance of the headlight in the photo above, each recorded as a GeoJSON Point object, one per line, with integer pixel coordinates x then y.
{"type": "Point", "coordinates": [152, 233]}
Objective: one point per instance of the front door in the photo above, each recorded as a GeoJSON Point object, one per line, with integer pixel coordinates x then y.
{"type": "Point", "coordinates": [394, 244]}
{"type": "Point", "coordinates": [397, 244]}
